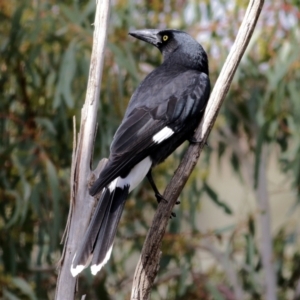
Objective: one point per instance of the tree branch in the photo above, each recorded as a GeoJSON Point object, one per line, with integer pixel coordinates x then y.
{"type": "Point", "coordinates": [264, 221]}
{"type": "Point", "coordinates": [229, 270]}
{"type": "Point", "coordinates": [81, 203]}
{"type": "Point", "coordinates": [148, 264]}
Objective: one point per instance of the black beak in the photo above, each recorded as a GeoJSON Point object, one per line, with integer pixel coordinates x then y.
{"type": "Point", "coordinates": [147, 35]}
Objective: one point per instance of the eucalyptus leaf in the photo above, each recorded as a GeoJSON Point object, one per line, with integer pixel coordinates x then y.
{"type": "Point", "coordinates": [24, 287]}
{"type": "Point", "coordinates": [215, 198]}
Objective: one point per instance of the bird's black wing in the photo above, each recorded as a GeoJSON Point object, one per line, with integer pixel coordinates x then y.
{"type": "Point", "coordinates": [170, 104]}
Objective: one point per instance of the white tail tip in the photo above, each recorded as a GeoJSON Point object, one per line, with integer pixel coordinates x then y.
{"type": "Point", "coordinates": [77, 270]}
{"type": "Point", "coordinates": [96, 268]}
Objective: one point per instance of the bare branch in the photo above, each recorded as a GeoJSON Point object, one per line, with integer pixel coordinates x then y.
{"type": "Point", "coordinates": [224, 260]}
{"type": "Point", "coordinates": [148, 264]}
{"type": "Point", "coordinates": [81, 202]}
{"type": "Point", "coordinates": [264, 221]}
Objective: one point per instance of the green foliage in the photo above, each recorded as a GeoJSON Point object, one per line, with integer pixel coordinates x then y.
{"type": "Point", "coordinates": [44, 60]}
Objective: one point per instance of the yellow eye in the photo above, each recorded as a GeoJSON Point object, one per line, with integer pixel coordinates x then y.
{"type": "Point", "coordinates": [165, 38]}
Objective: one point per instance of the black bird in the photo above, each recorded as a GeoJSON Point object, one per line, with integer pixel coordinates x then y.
{"type": "Point", "coordinates": [163, 113]}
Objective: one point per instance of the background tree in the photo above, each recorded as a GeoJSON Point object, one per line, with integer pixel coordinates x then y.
{"type": "Point", "coordinates": [212, 247]}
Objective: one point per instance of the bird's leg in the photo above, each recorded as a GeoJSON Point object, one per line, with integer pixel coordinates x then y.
{"type": "Point", "coordinates": [158, 196]}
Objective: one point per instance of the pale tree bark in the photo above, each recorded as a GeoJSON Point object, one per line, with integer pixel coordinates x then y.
{"type": "Point", "coordinates": [148, 264]}
{"type": "Point", "coordinates": [264, 223]}
{"type": "Point", "coordinates": [81, 203]}
{"type": "Point", "coordinates": [230, 273]}
{"type": "Point", "coordinates": [263, 215]}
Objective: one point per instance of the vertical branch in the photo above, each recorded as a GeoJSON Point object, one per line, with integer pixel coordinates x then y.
{"type": "Point", "coordinates": [229, 270]}
{"type": "Point", "coordinates": [148, 263]}
{"type": "Point", "coordinates": [264, 223]}
{"type": "Point", "coordinates": [81, 202]}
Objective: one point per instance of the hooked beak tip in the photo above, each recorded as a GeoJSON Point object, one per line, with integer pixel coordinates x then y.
{"type": "Point", "coordinates": [146, 35]}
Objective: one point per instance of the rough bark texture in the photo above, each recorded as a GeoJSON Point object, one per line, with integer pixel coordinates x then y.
{"type": "Point", "coordinates": [148, 264]}
{"type": "Point", "coordinates": [81, 203]}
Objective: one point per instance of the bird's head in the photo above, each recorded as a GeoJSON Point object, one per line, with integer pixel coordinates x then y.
{"type": "Point", "coordinates": [177, 47]}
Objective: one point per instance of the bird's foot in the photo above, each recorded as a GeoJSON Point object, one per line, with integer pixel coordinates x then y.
{"type": "Point", "coordinates": [160, 197]}
{"type": "Point", "coordinates": [193, 141]}
{"type": "Point", "coordinates": [173, 215]}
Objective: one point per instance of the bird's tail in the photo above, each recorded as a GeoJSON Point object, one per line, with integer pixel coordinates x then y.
{"type": "Point", "coordinates": [98, 240]}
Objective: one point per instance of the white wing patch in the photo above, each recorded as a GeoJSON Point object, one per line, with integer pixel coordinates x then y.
{"type": "Point", "coordinates": [162, 135]}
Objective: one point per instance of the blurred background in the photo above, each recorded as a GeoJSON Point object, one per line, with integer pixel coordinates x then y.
{"type": "Point", "coordinates": [250, 168]}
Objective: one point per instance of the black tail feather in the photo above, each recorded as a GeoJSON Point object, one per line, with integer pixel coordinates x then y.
{"type": "Point", "coordinates": [99, 237]}
{"type": "Point", "coordinates": [82, 255]}
{"type": "Point", "coordinates": [107, 232]}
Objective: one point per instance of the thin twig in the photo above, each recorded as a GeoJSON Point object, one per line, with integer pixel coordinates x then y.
{"type": "Point", "coordinates": [147, 266]}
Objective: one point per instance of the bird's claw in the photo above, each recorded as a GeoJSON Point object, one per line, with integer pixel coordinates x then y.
{"type": "Point", "coordinates": [173, 215]}
{"type": "Point", "coordinates": [160, 197]}
{"type": "Point", "coordinates": [193, 141]}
